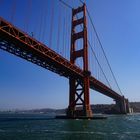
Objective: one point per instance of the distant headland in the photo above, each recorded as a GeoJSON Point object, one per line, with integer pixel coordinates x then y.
{"type": "Point", "coordinates": [96, 108]}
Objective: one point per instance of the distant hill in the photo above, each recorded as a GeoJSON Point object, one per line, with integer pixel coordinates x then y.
{"type": "Point", "coordinates": [135, 106]}
{"type": "Point", "coordinates": [98, 108]}
{"type": "Point", "coordinates": [109, 108]}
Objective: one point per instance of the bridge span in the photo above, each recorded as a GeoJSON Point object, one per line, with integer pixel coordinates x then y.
{"type": "Point", "coordinates": [17, 42]}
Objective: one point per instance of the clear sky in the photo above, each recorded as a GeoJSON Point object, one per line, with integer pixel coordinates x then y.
{"type": "Point", "coordinates": [24, 85]}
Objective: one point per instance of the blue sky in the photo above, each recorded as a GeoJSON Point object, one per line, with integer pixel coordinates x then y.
{"type": "Point", "coordinates": [24, 85]}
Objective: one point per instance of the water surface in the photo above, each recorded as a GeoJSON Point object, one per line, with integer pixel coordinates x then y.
{"type": "Point", "coordinates": [43, 127]}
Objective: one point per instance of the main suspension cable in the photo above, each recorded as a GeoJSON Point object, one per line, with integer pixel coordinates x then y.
{"type": "Point", "coordinates": [67, 5]}
{"type": "Point", "coordinates": [103, 51]}
{"type": "Point", "coordinates": [102, 47]}
{"type": "Point", "coordinates": [64, 3]}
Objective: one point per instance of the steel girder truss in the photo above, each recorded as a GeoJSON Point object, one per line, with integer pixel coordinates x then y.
{"type": "Point", "coordinates": [22, 45]}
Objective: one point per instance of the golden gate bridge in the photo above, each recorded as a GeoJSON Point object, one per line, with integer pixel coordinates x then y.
{"type": "Point", "coordinates": [74, 51]}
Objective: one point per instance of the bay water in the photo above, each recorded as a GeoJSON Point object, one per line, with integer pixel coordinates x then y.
{"type": "Point", "coordinates": [44, 127]}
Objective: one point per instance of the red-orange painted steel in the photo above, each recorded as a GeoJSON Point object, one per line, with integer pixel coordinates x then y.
{"type": "Point", "coordinates": [79, 88]}
{"type": "Point", "coordinates": [22, 42]}
{"type": "Point", "coordinates": [17, 42]}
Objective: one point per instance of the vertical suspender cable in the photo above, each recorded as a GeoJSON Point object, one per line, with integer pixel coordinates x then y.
{"type": "Point", "coordinates": [28, 15]}
{"type": "Point", "coordinates": [59, 30]}
{"type": "Point", "coordinates": [13, 12]}
{"type": "Point", "coordinates": [65, 34]}
{"type": "Point", "coordinates": [63, 47]}
{"type": "Point", "coordinates": [66, 46]}
{"type": "Point", "coordinates": [51, 23]}
{"type": "Point", "coordinates": [41, 23]}
{"type": "Point", "coordinates": [45, 21]}
{"type": "Point", "coordinates": [69, 38]}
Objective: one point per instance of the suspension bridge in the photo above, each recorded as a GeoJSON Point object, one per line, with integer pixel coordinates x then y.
{"type": "Point", "coordinates": [73, 51]}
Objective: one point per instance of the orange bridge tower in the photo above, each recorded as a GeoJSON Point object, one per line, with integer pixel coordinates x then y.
{"type": "Point", "coordinates": [79, 105]}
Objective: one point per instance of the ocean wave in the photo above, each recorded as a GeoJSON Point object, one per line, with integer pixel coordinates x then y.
{"type": "Point", "coordinates": [23, 119]}
{"type": "Point", "coordinates": [74, 132]}
{"type": "Point", "coordinates": [90, 132]}
{"type": "Point", "coordinates": [2, 130]}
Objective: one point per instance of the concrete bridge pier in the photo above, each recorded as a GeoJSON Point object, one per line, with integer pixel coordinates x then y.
{"type": "Point", "coordinates": [127, 106]}
{"type": "Point", "coordinates": [122, 106]}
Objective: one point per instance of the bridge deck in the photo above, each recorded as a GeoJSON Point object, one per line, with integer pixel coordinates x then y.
{"type": "Point", "coordinates": [17, 42]}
